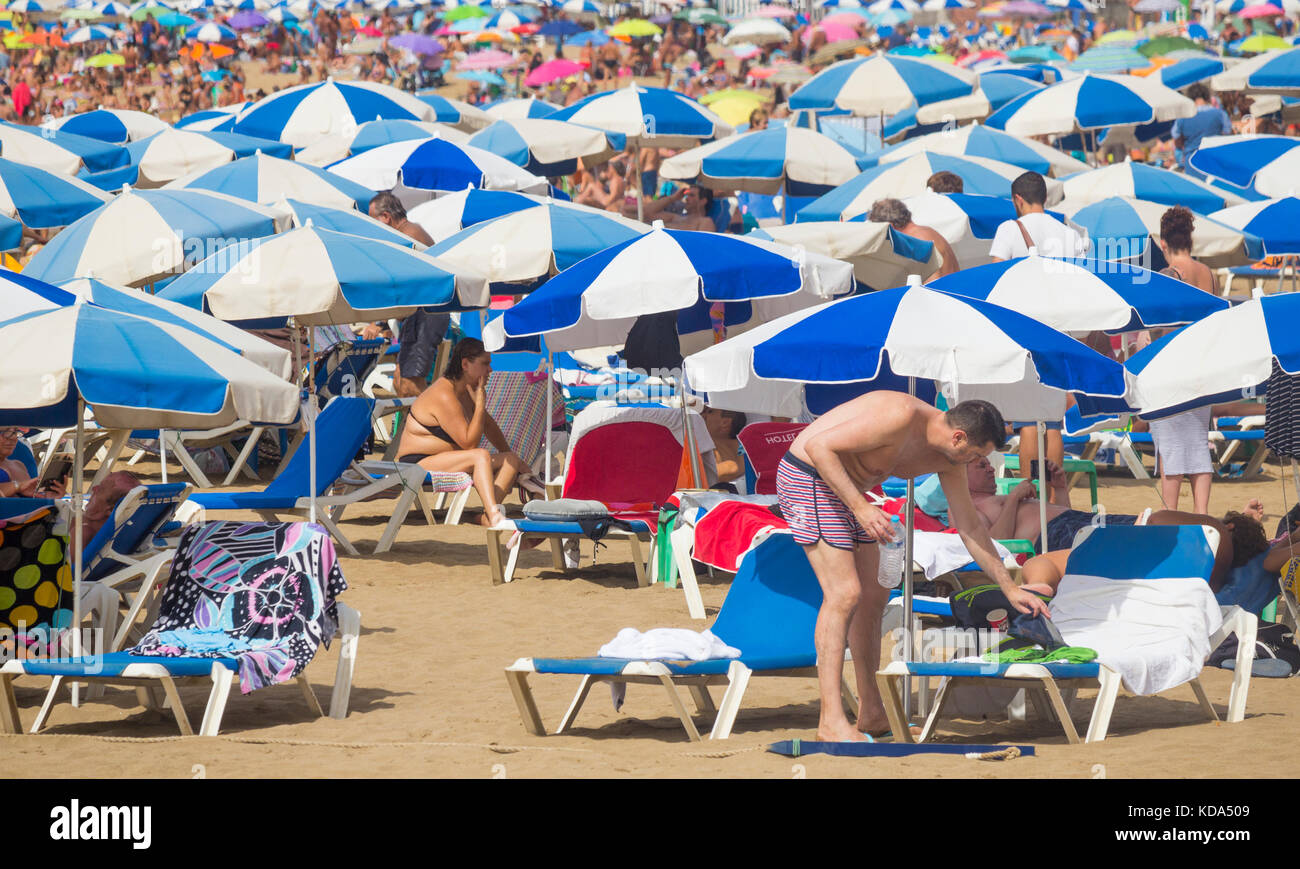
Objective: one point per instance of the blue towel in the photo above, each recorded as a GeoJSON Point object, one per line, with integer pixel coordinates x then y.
{"type": "Point", "coordinates": [200, 640]}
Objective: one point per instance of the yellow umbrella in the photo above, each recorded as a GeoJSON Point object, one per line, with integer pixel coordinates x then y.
{"type": "Point", "coordinates": [635, 27]}
{"type": "Point", "coordinates": [106, 59]}
{"type": "Point", "coordinates": [17, 40]}
{"type": "Point", "coordinates": [735, 110]}
{"type": "Point", "coordinates": [739, 93]}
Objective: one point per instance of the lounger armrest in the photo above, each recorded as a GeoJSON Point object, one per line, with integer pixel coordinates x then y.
{"type": "Point", "coordinates": [523, 665]}
{"type": "Point", "coordinates": [407, 476]}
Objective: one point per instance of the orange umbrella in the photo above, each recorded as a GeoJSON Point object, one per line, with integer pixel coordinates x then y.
{"type": "Point", "coordinates": [220, 51]}
{"type": "Point", "coordinates": [1156, 63]}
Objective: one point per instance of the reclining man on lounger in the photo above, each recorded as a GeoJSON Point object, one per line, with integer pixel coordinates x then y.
{"type": "Point", "coordinates": [820, 484]}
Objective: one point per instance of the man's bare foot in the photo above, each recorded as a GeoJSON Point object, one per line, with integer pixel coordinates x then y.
{"type": "Point", "coordinates": [844, 733]}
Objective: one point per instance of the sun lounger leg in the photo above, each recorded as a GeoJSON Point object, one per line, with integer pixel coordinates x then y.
{"type": "Point", "coordinates": [889, 686]}
{"type": "Point", "coordinates": [703, 702]}
{"type": "Point", "coordinates": [1246, 626]}
{"type": "Point", "coordinates": [737, 681]}
{"type": "Point", "coordinates": [400, 511]}
{"type": "Point", "coordinates": [927, 729]}
{"type": "Point", "coordinates": [584, 687]}
{"type": "Point", "coordinates": [1105, 705]}
{"type": "Point", "coordinates": [1256, 461]}
{"type": "Point", "coordinates": [675, 697]}
{"type": "Point", "coordinates": [1199, 690]}
{"type": "Point", "coordinates": [456, 507]}
{"type": "Point", "coordinates": [239, 465]}
{"type": "Point", "coordinates": [512, 560]}
{"type": "Point", "coordinates": [350, 628]}
{"type": "Point", "coordinates": [9, 720]}
{"type": "Point", "coordinates": [1058, 707]}
{"type": "Point", "coordinates": [523, 694]}
{"type": "Point", "coordinates": [312, 702]}
{"type": "Point", "coordinates": [222, 679]}
{"type": "Point", "coordinates": [113, 449]}
{"type": "Point", "coordinates": [43, 715]}
{"type": "Point", "coordinates": [557, 553]}
{"type": "Point", "coordinates": [494, 557]}
{"type": "Point", "coordinates": [187, 463]}
{"type": "Point", "coordinates": [422, 499]}
{"type": "Point", "coordinates": [322, 516]}
{"type": "Point", "coordinates": [638, 561]}
{"type": "Point", "coordinates": [1039, 699]}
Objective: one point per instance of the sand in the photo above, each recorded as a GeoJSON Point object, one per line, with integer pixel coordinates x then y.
{"type": "Point", "coordinates": [430, 698]}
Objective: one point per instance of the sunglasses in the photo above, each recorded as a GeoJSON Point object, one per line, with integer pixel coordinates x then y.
{"type": "Point", "coordinates": [11, 433]}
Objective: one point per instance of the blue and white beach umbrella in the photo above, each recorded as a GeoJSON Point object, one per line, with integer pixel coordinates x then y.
{"type": "Point", "coordinates": [883, 84]}
{"type": "Point", "coordinates": [908, 177]}
{"type": "Point", "coordinates": [506, 19]}
{"type": "Point", "coordinates": [133, 372]}
{"type": "Point", "coordinates": [525, 247]}
{"type": "Point", "coordinates": [211, 31]}
{"type": "Point", "coordinates": [595, 303]}
{"type": "Point", "coordinates": [142, 236]}
{"type": "Point", "coordinates": [173, 154]}
{"type": "Point", "coordinates": [1084, 297]}
{"type": "Point", "coordinates": [803, 162]}
{"type": "Point", "coordinates": [1276, 222]}
{"type": "Point", "coordinates": [1091, 102]}
{"type": "Point", "coordinates": [1189, 71]}
{"type": "Point", "coordinates": [349, 221]}
{"type": "Point", "coordinates": [909, 331]}
{"type": "Point", "coordinates": [221, 120]}
{"type": "Point", "coordinates": [454, 113]}
{"type": "Point", "coordinates": [416, 169]}
{"type": "Point", "coordinates": [1000, 88]}
{"type": "Point", "coordinates": [648, 116]}
{"type": "Point", "coordinates": [447, 215]}
{"type": "Point", "coordinates": [372, 134]}
{"type": "Point", "coordinates": [1269, 164]}
{"type": "Point", "coordinates": [549, 148]}
{"type": "Point", "coordinates": [1152, 183]}
{"type": "Point", "coordinates": [115, 126]}
{"type": "Point", "coordinates": [91, 33]}
{"type": "Point", "coordinates": [265, 179]}
{"type": "Point", "coordinates": [975, 140]}
{"type": "Point", "coordinates": [1121, 227]}
{"type": "Point", "coordinates": [529, 107]}
{"type": "Point", "coordinates": [302, 114]}
{"type": "Point", "coordinates": [318, 277]}
{"type": "Point", "coordinates": [1272, 72]}
{"type": "Point", "coordinates": [43, 200]}
{"type": "Point", "coordinates": [881, 256]}
{"type": "Point", "coordinates": [53, 150]}
{"type": "Point", "coordinates": [1115, 57]}
{"type": "Point", "coordinates": [1225, 357]}
{"type": "Point", "coordinates": [113, 9]}
{"type": "Point", "coordinates": [581, 7]}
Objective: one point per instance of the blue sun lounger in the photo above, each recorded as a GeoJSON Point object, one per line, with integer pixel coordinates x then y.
{"type": "Point", "coordinates": [342, 427]}
{"type": "Point", "coordinates": [1117, 553]}
{"type": "Point", "coordinates": [769, 615]}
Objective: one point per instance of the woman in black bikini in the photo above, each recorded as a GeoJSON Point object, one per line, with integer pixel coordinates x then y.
{"type": "Point", "coordinates": [447, 421]}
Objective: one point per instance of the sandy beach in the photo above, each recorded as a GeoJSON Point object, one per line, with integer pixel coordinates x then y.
{"type": "Point", "coordinates": [430, 698]}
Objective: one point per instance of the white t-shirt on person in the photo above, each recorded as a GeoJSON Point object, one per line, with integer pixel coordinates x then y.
{"type": "Point", "coordinates": [1049, 235]}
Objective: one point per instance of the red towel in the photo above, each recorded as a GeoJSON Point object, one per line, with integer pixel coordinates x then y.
{"type": "Point", "coordinates": [725, 533]}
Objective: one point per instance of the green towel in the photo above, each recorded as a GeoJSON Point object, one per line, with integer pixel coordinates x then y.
{"type": "Point", "coordinates": [1038, 655]}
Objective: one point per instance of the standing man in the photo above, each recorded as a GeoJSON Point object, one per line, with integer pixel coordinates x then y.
{"type": "Point", "coordinates": [1033, 226]}
{"type": "Point", "coordinates": [1209, 120]}
{"type": "Point", "coordinates": [820, 484]}
{"type": "Point", "coordinates": [421, 332]}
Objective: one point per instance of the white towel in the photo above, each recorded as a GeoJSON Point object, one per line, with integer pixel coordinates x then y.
{"type": "Point", "coordinates": [1154, 632]}
{"type": "Point", "coordinates": [672, 644]}
{"type": "Point", "coordinates": [937, 553]}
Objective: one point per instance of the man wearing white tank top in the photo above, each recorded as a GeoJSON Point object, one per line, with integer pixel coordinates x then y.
{"type": "Point", "coordinates": [1034, 225]}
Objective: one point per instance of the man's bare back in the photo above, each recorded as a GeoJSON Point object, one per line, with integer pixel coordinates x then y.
{"type": "Point", "coordinates": [946, 252]}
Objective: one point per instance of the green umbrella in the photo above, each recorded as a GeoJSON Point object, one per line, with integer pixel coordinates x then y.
{"type": "Point", "coordinates": [700, 17]}
{"type": "Point", "coordinates": [106, 59]}
{"type": "Point", "coordinates": [1262, 42]}
{"type": "Point", "coordinates": [145, 11]}
{"type": "Point", "coordinates": [1162, 45]}
{"type": "Point", "coordinates": [463, 12]}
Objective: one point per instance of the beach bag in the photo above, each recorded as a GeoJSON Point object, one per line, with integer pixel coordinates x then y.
{"type": "Point", "coordinates": [971, 608]}
{"type": "Point", "coordinates": [1272, 641]}
{"type": "Point", "coordinates": [592, 516]}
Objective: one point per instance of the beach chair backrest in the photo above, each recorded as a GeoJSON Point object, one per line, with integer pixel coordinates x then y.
{"type": "Point", "coordinates": [131, 527]}
{"type": "Point", "coordinates": [517, 401]}
{"type": "Point", "coordinates": [341, 430]}
{"type": "Point", "coordinates": [343, 371]}
{"type": "Point", "coordinates": [23, 453]}
{"type": "Point", "coordinates": [624, 462]}
{"type": "Point", "coordinates": [1144, 552]}
{"type": "Point", "coordinates": [771, 607]}
{"type": "Point", "coordinates": [765, 443]}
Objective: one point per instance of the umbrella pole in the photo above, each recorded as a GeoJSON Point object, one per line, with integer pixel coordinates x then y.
{"type": "Point", "coordinates": [1041, 429]}
{"type": "Point", "coordinates": [311, 423]}
{"type": "Point", "coordinates": [162, 452]}
{"type": "Point", "coordinates": [550, 415]}
{"type": "Point", "coordinates": [640, 207]}
{"type": "Point", "coordinates": [908, 530]}
{"type": "Point", "coordinates": [77, 542]}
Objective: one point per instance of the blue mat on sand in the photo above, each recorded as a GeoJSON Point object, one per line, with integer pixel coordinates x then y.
{"type": "Point", "coordinates": [800, 747]}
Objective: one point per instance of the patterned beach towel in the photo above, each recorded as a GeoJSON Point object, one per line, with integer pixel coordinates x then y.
{"type": "Point", "coordinates": [262, 592]}
{"type": "Point", "coordinates": [35, 578]}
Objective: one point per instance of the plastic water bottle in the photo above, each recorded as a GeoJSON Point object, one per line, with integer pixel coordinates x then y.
{"type": "Point", "coordinates": [890, 572]}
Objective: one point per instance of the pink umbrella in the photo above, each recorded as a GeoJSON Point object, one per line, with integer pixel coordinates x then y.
{"type": "Point", "coordinates": [746, 51]}
{"type": "Point", "coordinates": [491, 59]}
{"type": "Point", "coordinates": [776, 12]}
{"type": "Point", "coordinates": [980, 56]}
{"type": "Point", "coordinates": [848, 19]}
{"type": "Point", "coordinates": [1260, 10]}
{"type": "Point", "coordinates": [552, 70]}
{"type": "Point", "coordinates": [834, 33]}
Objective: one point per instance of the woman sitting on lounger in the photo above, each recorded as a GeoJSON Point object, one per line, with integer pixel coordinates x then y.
{"type": "Point", "coordinates": [447, 421]}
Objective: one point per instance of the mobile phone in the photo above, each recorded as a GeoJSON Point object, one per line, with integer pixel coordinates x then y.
{"type": "Point", "coordinates": [1033, 470]}
{"type": "Point", "coordinates": [58, 470]}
